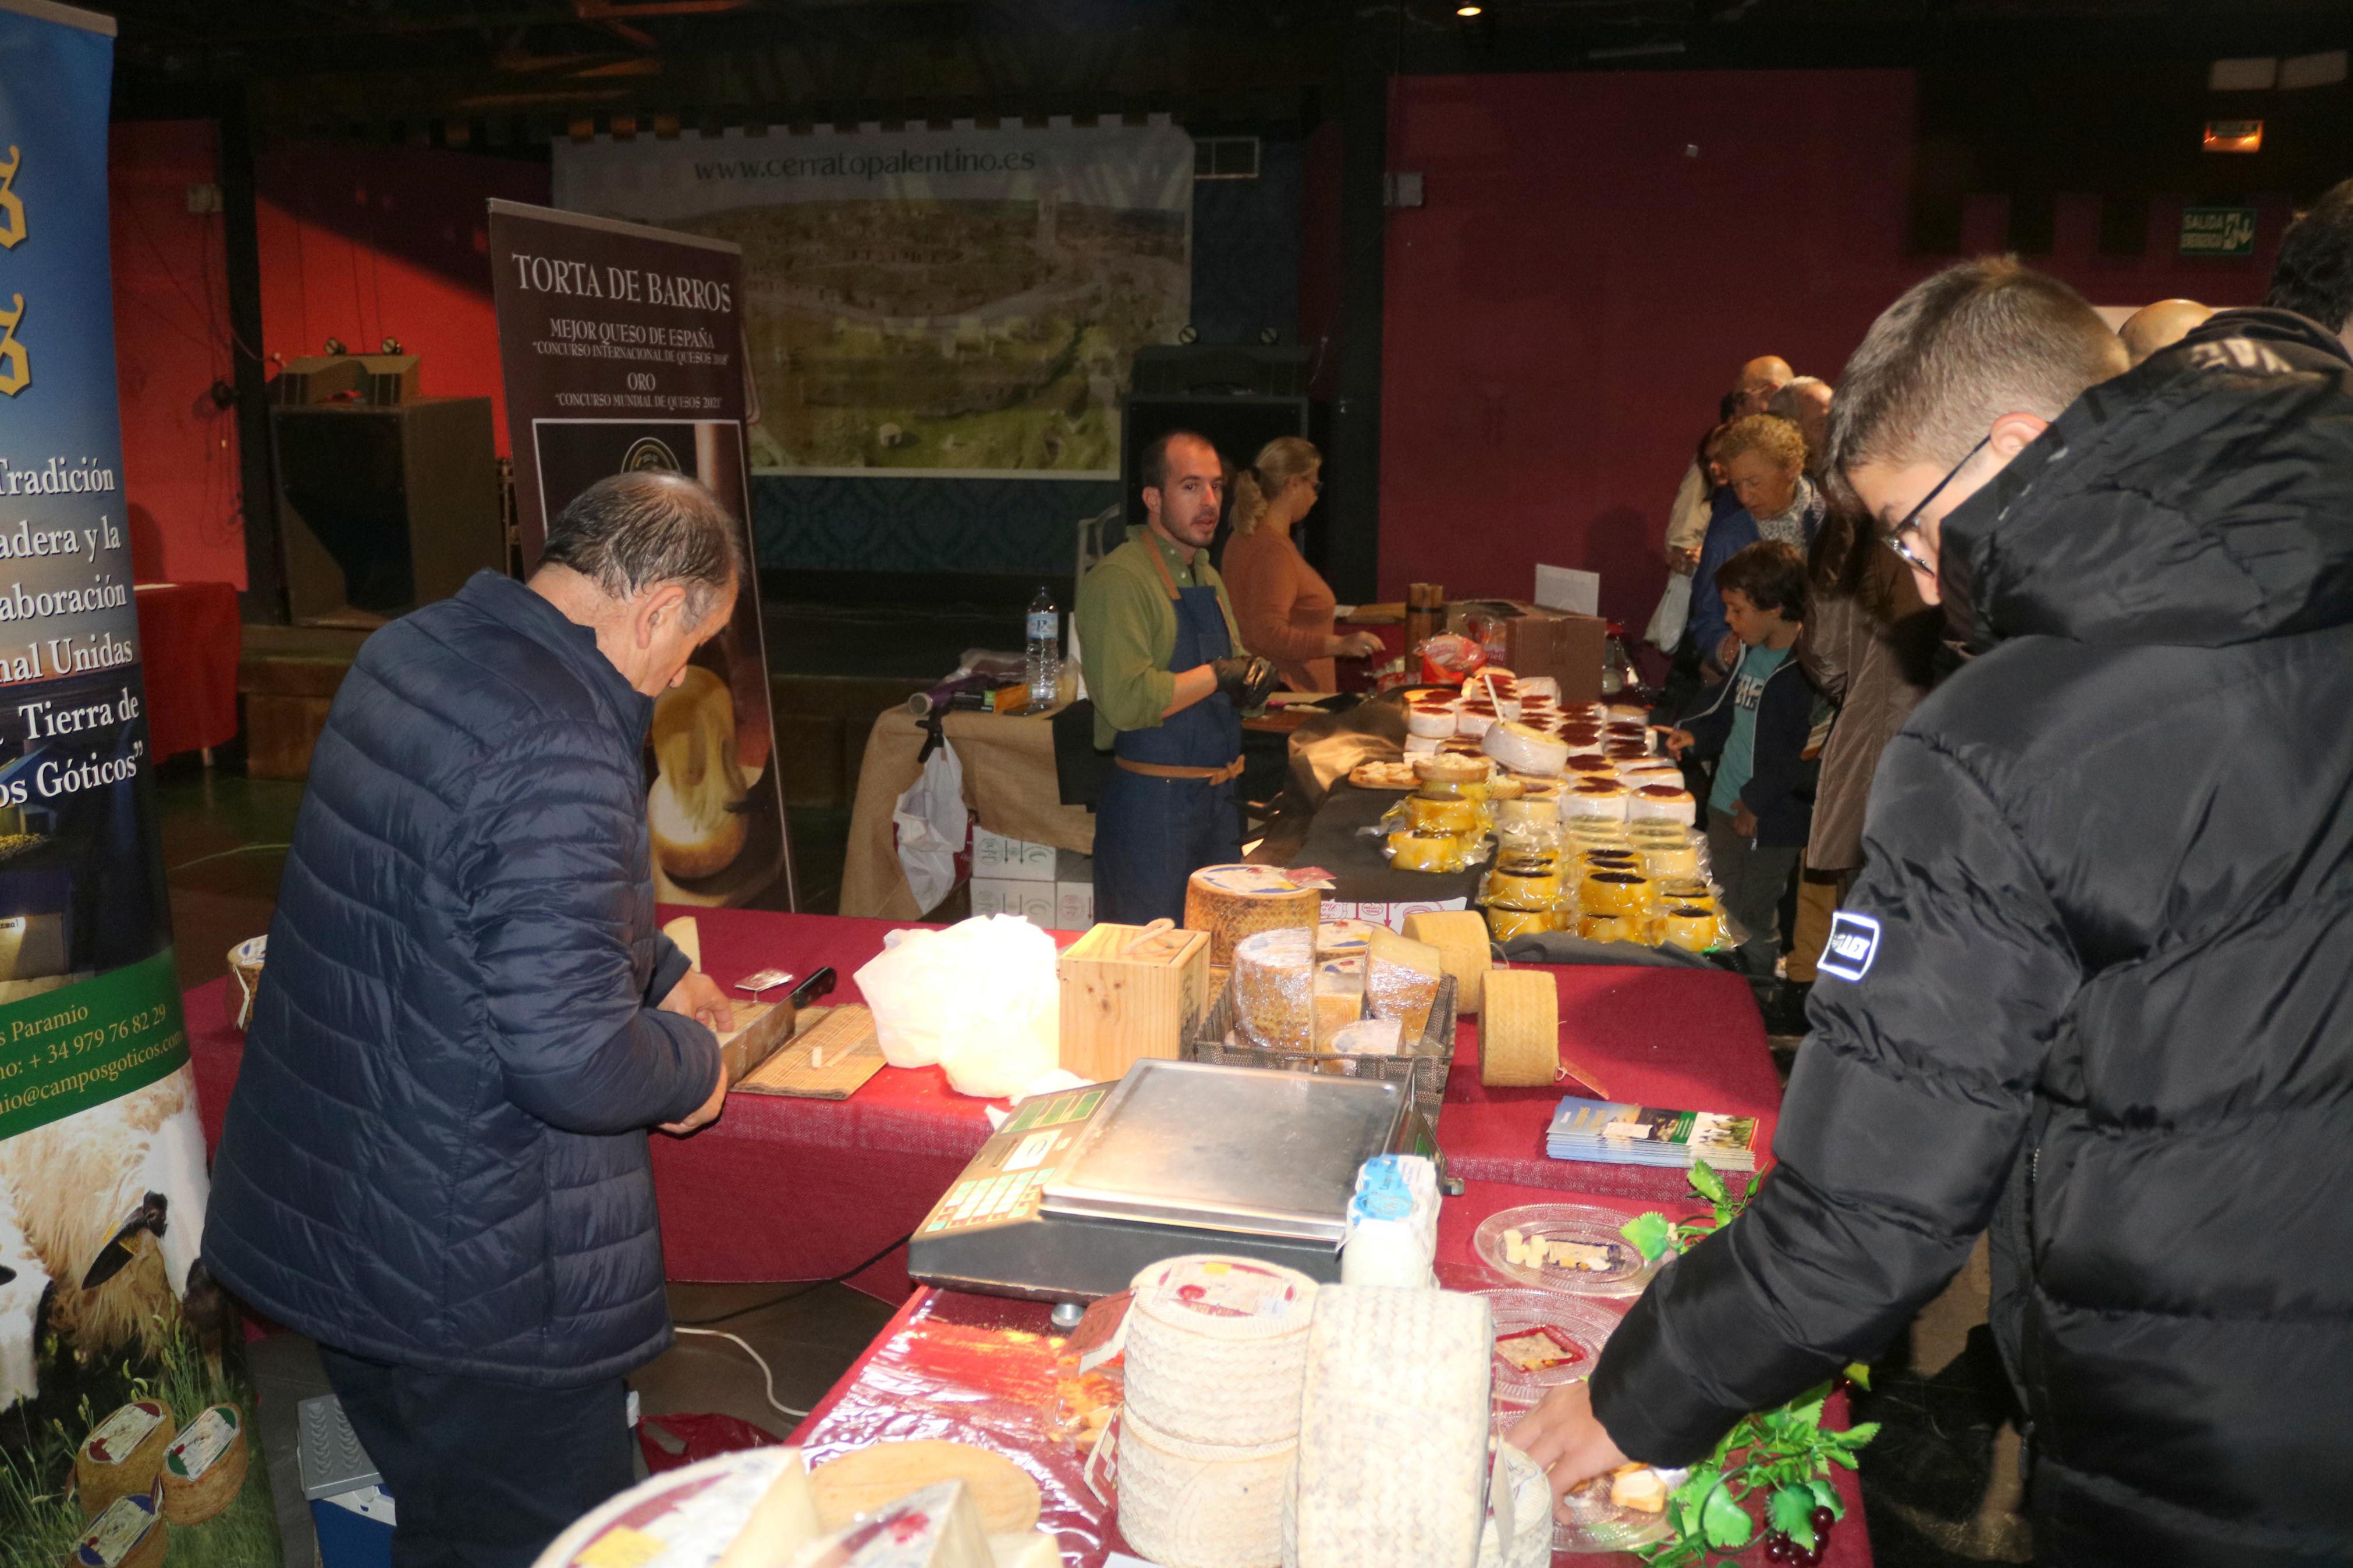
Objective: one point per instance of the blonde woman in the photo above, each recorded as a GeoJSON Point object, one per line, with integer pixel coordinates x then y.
{"type": "Point", "coordinates": [1283, 604]}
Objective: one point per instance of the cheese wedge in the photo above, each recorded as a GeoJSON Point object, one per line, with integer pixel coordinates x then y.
{"type": "Point", "coordinates": [1401, 978]}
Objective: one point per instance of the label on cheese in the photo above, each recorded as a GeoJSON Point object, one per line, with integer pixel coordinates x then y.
{"type": "Point", "coordinates": [114, 1534]}
{"type": "Point", "coordinates": [1220, 1288]}
{"type": "Point", "coordinates": [1247, 882]}
{"type": "Point", "coordinates": [123, 1431]}
{"type": "Point", "coordinates": [208, 1437]}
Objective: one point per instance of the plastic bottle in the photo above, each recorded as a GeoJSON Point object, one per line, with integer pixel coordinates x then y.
{"type": "Point", "coordinates": [1042, 665]}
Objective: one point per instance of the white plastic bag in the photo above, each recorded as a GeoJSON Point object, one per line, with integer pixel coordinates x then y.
{"type": "Point", "coordinates": [932, 821]}
{"type": "Point", "coordinates": [979, 999]}
{"type": "Point", "coordinates": [1667, 622]}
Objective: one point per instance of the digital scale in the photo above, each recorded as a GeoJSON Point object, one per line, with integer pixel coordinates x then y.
{"type": "Point", "coordinates": [1081, 1190]}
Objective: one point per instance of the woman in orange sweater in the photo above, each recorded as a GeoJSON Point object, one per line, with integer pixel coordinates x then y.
{"type": "Point", "coordinates": [1283, 604]}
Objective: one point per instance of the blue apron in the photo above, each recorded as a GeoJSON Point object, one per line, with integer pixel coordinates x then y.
{"type": "Point", "coordinates": [1152, 830]}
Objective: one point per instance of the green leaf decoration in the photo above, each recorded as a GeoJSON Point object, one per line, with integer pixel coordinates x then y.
{"type": "Point", "coordinates": [1650, 1234]}
{"type": "Point", "coordinates": [1724, 1523]}
{"type": "Point", "coordinates": [1706, 1182]}
{"type": "Point", "coordinates": [1809, 1414]}
{"type": "Point", "coordinates": [1826, 1496]}
{"type": "Point", "coordinates": [1856, 1435]}
{"type": "Point", "coordinates": [1859, 1374]}
{"type": "Point", "coordinates": [1837, 1454]}
{"type": "Point", "coordinates": [1790, 1511]}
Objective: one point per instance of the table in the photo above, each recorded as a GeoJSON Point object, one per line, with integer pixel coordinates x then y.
{"type": "Point", "coordinates": [189, 641]}
{"type": "Point", "coordinates": [805, 1189]}
{"type": "Point", "coordinates": [981, 1369]}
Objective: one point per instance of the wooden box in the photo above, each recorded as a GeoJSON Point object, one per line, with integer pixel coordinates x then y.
{"type": "Point", "coordinates": [1129, 992]}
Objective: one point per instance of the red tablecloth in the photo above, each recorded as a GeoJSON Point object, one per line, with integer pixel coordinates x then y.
{"type": "Point", "coordinates": [189, 639]}
{"type": "Point", "coordinates": [980, 1370]}
{"type": "Point", "coordinates": [799, 1189]}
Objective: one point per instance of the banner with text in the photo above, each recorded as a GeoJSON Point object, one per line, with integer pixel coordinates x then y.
{"type": "Point", "coordinates": [952, 301]}
{"type": "Point", "coordinates": [102, 1184]}
{"type": "Point", "coordinates": [621, 348]}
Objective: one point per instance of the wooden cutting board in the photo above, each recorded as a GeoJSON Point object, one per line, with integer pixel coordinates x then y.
{"type": "Point", "coordinates": [845, 1037]}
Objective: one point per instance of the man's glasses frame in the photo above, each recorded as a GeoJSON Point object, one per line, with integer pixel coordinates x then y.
{"type": "Point", "coordinates": [1895, 537]}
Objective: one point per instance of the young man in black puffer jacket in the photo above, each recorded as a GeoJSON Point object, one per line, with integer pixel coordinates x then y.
{"type": "Point", "coordinates": [2097, 971]}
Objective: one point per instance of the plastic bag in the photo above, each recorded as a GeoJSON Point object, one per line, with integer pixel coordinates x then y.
{"type": "Point", "coordinates": [980, 999]}
{"type": "Point", "coordinates": [933, 825]}
{"type": "Point", "coordinates": [1667, 622]}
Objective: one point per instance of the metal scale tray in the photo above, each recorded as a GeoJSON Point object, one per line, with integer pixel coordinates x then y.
{"type": "Point", "coordinates": [1081, 1191]}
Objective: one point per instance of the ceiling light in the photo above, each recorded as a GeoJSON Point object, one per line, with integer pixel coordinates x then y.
{"type": "Point", "coordinates": [1467, 10]}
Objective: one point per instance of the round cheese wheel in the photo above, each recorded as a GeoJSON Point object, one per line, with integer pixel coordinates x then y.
{"type": "Point", "coordinates": [1541, 811]}
{"type": "Point", "coordinates": [1534, 883]}
{"type": "Point", "coordinates": [1688, 926]}
{"type": "Point", "coordinates": [1611, 928]}
{"type": "Point", "coordinates": [1595, 797]}
{"type": "Point", "coordinates": [1525, 751]}
{"type": "Point", "coordinates": [1197, 1505]}
{"type": "Point", "coordinates": [1670, 861]}
{"type": "Point", "coordinates": [1432, 718]}
{"type": "Point", "coordinates": [1460, 938]}
{"type": "Point", "coordinates": [1216, 1348]}
{"type": "Point", "coordinates": [1393, 1430]}
{"type": "Point", "coordinates": [1618, 893]}
{"type": "Point", "coordinates": [867, 1478]}
{"type": "Point", "coordinates": [1505, 922]}
{"type": "Point", "coordinates": [1662, 803]}
{"type": "Point", "coordinates": [1425, 852]}
{"type": "Point", "coordinates": [1687, 890]}
{"type": "Point", "coordinates": [121, 1456]}
{"type": "Point", "coordinates": [1275, 988]}
{"type": "Point", "coordinates": [1456, 816]}
{"type": "Point", "coordinates": [1231, 902]}
{"type": "Point", "coordinates": [1519, 1031]}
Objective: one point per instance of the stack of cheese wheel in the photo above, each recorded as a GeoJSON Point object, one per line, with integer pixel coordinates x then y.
{"type": "Point", "coordinates": [1231, 902]}
{"type": "Point", "coordinates": [1460, 938]}
{"type": "Point", "coordinates": [1519, 1032]}
{"type": "Point", "coordinates": [1393, 1431]}
{"type": "Point", "coordinates": [1216, 1362]}
{"type": "Point", "coordinates": [122, 1455]}
{"type": "Point", "coordinates": [1274, 989]}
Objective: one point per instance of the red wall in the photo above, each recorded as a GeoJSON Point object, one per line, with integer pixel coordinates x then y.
{"type": "Point", "coordinates": [366, 243]}
{"type": "Point", "coordinates": [1564, 312]}
{"type": "Point", "coordinates": [171, 343]}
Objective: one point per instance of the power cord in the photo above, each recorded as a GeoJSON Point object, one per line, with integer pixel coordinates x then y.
{"type": "Point", "coordinates": [798, 1292]}
{"type": "Point", "coordinates": [780, 1407]}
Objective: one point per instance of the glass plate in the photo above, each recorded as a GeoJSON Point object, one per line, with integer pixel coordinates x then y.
{"type": "Point", "coordinates": [1566, 1222]}
{"type": "Point", "coordinates": [1588, 1325]}
{"type": "Point", "coordinates": [1587, 1521]}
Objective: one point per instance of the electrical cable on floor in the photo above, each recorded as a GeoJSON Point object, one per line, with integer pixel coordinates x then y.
{"type": "Point", "coordinates": [780, 1407]}
{"type": "Point", "coordinates": [798, 1292]}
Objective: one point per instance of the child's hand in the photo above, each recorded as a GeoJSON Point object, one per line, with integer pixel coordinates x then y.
{"type": "Point", "coordinates": [1676, 741]}
{"type": "Point", "coordinates": [1744, 821]}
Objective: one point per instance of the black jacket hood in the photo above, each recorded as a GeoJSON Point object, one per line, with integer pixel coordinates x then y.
{"type": "Point", "coordinates": [2202, 500]}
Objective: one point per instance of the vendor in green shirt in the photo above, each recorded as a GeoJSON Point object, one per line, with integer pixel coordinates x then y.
{"type": "Point", "coordinates": [1166, 667]}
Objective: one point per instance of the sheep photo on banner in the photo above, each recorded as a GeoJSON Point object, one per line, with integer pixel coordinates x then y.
{"type": "Point", "coordinates": [124, 1414]}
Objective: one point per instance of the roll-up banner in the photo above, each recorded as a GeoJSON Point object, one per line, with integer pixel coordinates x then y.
{"type": "Point", "coordinates": [622, 348]}
{"type": "Point", "coordinates": [123, 1416]}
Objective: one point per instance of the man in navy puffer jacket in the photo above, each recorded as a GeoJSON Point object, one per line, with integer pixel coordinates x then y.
{"type": "Point", "coordinates": [435, 1162]}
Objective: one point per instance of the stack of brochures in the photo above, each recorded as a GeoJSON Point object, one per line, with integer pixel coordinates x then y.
{"type": "Point", "coordinates": [1643, 1135]}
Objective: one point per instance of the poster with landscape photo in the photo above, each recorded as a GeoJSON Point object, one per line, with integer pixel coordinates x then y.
{"type": "Point", "coordinates": [949, 302]}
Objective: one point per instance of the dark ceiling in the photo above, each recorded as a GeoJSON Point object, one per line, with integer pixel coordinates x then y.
{"type": "Point", "coordinates": [475, 72]}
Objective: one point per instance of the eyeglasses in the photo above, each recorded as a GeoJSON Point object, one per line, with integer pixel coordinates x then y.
{"type": "Point", "coordinates": [1893, 538]}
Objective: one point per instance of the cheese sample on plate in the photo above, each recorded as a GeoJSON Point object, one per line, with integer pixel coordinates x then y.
{"type": "Point", "coordinates": [1231, 902]}
{"type": "Point", "coordinates": [1401, 978]}
{"type": "Point", "coordinates": [1274, 989]}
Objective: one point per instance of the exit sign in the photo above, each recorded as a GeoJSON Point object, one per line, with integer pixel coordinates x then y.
{"type": "Point", "coordinates": [2218, 231]}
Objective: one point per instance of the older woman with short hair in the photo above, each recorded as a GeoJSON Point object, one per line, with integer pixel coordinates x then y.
{"type": "Point", "coordinates": [1284, 606]}
{"type": "Point", "coordinates": [1765, 464]}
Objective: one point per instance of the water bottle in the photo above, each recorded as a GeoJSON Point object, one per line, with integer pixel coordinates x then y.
{"type": "Point", "coordinates": [1043, 663]}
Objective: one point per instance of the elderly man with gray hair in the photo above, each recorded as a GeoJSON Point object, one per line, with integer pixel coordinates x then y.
{"type": "Point", "coordinates": [1806, 403]}
{"type": "Point", "coordinates": [435, 1162]}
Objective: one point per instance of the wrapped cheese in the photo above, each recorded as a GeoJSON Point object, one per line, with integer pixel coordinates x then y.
{"type": "Point", "coordinates": [1274, 989]}
{"type": "Point", "coordinates": [1505, 922]}
{"type": "Point", "coordinates": [1437, 852]}
{"type": "Point", "coordinates": [1688, 926]}
{"type": "Point", "coordinates": [1618, 893]}
{"type": "Point", "coordinates": [1457, 816]}
{"type": "Point", "coordinates": [1595, 797]}
{"type": "Point", "coordinates": [1231, 902]}
{"type": "Point", "coordinates": [1401, 978]}
{"type": "Point", "coordinates": [1662, 803]}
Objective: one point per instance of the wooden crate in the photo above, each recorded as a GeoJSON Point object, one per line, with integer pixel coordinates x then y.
{"type": "Point", "coordinates": [1118, 1008]}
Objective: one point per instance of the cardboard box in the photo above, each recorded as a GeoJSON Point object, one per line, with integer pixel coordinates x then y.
{"type": "Point", "coordinates": [1001, 859]}
{"type": "Point", "coordinates": [1033, 902]}
{"type": "Point", "coordinates": [1538, 641]}
{"type": "Point", "coordinates": [1074, 891]}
